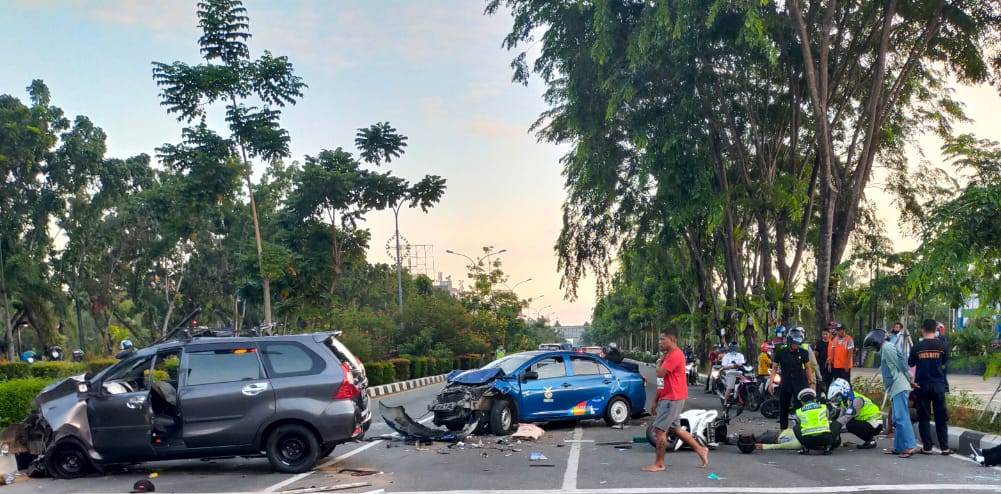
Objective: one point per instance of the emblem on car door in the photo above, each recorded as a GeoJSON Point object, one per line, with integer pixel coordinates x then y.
{"type": "Point", "coordinates": [547, 395]}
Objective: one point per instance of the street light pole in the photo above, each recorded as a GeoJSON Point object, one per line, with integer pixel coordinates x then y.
{"type": "Point", "coordinates": [399, 262]}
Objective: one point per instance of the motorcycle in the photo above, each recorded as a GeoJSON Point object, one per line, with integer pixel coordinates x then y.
{"type": "Point", "coordinates": [706, 426]}
{"type": "Point", "coordinates": [745, 393]}
{"type": "Point", "coordinates": [692, 371]}
{"type": "Point", "coordinates": [770, 406]}
{"type": "Point", "coordinates": [714, 383]}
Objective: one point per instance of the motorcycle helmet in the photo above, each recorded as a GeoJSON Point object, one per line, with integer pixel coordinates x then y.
{"type": "Point", "coordinates": [28, 356]}
{"type": "Point", "coordinates": [765, 348]}
{"type": "Point", "coordinates": [733, 347]}
{"type": "Point", "coordinates": [780, 332]}
{"type": "Point", "coordinates": [796, 336]}
{"type": "Point", "coordinates": [806, 394]}
{"type": "Point", "coordinates": [54, 353]}
{"type": "Point", "coordinates": [874, 339]}
{"type": "Point", "coordinates": [125, 345]}
{"type": "Point", "coordinates": [840, 389]}
{"type": "Point", "coordinates": [745, 443]}
{"type": "Point", "coordinates": [78, 355]}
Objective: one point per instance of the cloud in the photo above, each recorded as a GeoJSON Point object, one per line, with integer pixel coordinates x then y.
{"type": "Point", "coordinates": [170, 19]}
{"type": "Point", "coordinates": [496, 129]}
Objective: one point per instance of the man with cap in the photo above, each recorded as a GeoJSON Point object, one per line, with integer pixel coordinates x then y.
{"type": "Point", "coordinates": [840, 353]}
{"type": "Point", "coordinates": [898, 382]}
{"type": "Point", "coordinates": [813, 428]}
{"type": "Point", "coordinates": [793, 363]}
{"type": "Point", "coordinates": [856, 412]}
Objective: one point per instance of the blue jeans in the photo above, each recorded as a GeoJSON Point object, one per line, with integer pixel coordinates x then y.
{"type": "Point", "coordinates": [903, 437]}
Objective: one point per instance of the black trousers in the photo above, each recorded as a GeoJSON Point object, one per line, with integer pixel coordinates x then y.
{"type": "Point", "coordinates": [820, 441]}
{"type": "Point", "coordinates": [845, 374]}
{"type": "Point", "coordinates": [863, 430]}
{"type": "Point", "coordinates": [786, 396]}
{"type": "Point", "coordinates": [992, 456]}
{"type": "Point", "coordinates": [931, 398]}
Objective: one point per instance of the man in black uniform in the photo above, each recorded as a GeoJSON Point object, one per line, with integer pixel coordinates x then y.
{"type": "Point", "coordinates": [793, 363]}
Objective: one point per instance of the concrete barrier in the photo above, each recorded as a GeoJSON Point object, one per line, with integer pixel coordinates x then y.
{"type": "Point", "coordinates": [961, 440]}
{"type": "Point", "coordinates": [397, 387]}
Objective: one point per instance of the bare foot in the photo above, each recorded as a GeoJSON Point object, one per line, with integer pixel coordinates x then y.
{"type": "Point", "coordinates": [704, 456]}
{"type": "Point", "coordinates": [654, 468]}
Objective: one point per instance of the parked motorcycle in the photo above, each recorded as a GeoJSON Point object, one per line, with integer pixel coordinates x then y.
{"type": "Point", "coordinates": [745, 393]}
{"type": "Point", "coordinates": [770, 405]}
{"type": "Point", "coordinates": [692, 371]}
{"type": "Point", "coordinates": [706, 426]}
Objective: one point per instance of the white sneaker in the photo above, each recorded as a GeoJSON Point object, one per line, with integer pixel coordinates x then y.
{"type": "Point", "coordinates": [978, 456]}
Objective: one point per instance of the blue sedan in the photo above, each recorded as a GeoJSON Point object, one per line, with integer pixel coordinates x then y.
{"type": "Point", "coordinates": [540, 387]}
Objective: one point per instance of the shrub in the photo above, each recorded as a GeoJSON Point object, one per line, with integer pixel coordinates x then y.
{"type": "Point", "coordinates": [402, 367]}
{"type": "Point", "coordinates": [98, 365]}
{"type": "Point", "coordinates": [470, 361]}
{"type": "Point", "coordinates": [380, 373]}
{"type": "Point", "coordinates": [14, 370]}
{"type": "Point", "coordinates": [419, 367]}
{"type": "Point", "coordinates": [56, 370]}
{"type": "Point", "coordinates": [16, 396]}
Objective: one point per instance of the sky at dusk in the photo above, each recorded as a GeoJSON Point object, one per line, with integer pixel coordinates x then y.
{"type": "Point", "coordinates": [434, 69]}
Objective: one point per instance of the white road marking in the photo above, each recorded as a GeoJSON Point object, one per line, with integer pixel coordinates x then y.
{"type": "Point", "coordinates": [738, 490]}
{"type": "Point", "coordinates": [330, 462]}
{"type": "Point", "coordinates": [573, 462]}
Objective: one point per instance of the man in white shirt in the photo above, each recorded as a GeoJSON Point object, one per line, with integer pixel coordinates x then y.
{"type": "Point", "coordinates": [732, 362]}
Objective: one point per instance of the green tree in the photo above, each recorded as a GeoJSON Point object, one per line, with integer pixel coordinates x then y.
{"type": "Point", "coordinates": [230, 77]}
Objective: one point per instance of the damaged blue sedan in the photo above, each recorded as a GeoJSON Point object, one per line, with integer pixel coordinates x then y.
{"type": "Point", "coordinates": [540, 387]}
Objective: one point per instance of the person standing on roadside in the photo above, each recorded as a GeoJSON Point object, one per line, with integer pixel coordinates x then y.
{"type": "Point", "coordinates": [793, 363]}
{"type": "Point", "coordinates": [840, 354]}
{"type": "Point", "coordinates": [898, 382]}
{"type": "Point", "coordinates": [672, 391]}
{"type": "Point", "coordinates": [929, 357]}
{"type": "Point", "coordinates": [820, 348]}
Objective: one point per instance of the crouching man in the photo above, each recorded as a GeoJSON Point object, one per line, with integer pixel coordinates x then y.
{"type": "Point", "coordinates": [813, 428]}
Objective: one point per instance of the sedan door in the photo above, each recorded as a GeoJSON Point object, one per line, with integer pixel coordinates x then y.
{"type": "Point", "coordinates": [224, 396]}
{"type": "Point", "coordinates": [592, 383]}
{"type": "Point", "coordinates": [547, 397]}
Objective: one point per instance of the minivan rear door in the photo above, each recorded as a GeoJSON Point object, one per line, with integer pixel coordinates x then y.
{"type": "Point", "coordinates": [224, 395]}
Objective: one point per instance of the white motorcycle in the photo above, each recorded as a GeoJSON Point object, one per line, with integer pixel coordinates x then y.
{"type": "Point", "coordinates": [706, 426]}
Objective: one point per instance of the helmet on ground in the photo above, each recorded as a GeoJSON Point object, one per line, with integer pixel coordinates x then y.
{"type": "Point", "coordinates": [874, 339]}
{"type": "Point", "coordinates": [840, 388]}
{"type": "Point", "coordinates": [806, 394]}
{"type": "Point", "coordinates": [796, 336]}
{"type": "Point", "coordinates": [734, 346]}
{"type": "Point", "coordinates": [745, 443]}
{"type": "Point", "coordinates": [765, 348]}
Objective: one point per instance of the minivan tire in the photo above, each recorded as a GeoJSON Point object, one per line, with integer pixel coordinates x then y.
{"type": "Point", "coordinates": [67, 459]}
{"type": "Point", "coordinates": [502, 418]}
{"type": "Point", "coordinates": [292, 448]}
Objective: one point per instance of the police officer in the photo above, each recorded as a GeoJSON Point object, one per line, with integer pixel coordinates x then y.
{"type": "Point", "coordinates": [813, 428]}
{"type": "Point", "coordinates": [856, 412]}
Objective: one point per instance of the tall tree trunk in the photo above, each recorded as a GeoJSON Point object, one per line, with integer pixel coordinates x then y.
{"type": "Point", "coordinates": [9, 329]}
{"type": "Point", "coordinates": [335, 253]}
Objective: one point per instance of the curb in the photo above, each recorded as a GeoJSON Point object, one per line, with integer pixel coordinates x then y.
{"type": "Point", "coordinates": [397, 387]}
{"type": "Point", "coordinates": [961, 440]}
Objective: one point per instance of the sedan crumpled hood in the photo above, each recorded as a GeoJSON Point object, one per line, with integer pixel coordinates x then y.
{"type": "Point", "coordinates": [474, 376]}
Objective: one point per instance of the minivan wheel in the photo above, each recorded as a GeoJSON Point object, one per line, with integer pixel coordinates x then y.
{"type": "Point", "coordinates": [617, 412]}
{"type": "Point", "coordinates": [502, 419]}
{"type": "Point", "coordinates": [292, 448]}
{"type": "Point", "coordinates": [67, 460]}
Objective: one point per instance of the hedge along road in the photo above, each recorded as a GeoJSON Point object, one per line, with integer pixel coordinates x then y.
{"type": "Point", "coordinates": [579, 464]}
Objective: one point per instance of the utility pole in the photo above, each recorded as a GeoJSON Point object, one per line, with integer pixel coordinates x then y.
{"type": "Point", "coordinates": [399, 261]}
{"type": "Point", "coordinates": [11, 356]}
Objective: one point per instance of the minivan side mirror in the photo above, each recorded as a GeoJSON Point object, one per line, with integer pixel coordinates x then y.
{"type": "Point", "coordinates": [529, 375]}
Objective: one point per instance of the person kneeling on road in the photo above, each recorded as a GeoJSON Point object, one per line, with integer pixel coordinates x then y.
{"type": "Point", "coordinates": [856, 412]}
{"type": "Point", "coordinates": [813, 427]}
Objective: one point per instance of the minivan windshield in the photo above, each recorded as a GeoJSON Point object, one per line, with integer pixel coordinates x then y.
{"type": "Point", "coordinates": [508, 364]}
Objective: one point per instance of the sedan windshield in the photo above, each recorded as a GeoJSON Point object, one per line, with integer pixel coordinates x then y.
{"type": "Point", "coordinates": [508, 364]}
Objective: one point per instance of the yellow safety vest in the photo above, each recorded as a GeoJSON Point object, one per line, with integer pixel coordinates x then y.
{"type": "Point", "coordinates": [869, 411]}
{"type": "Point", "coordinates": [813, 419]}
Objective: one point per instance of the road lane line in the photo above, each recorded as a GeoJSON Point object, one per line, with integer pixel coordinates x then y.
{"type": "Point", "coordinates": [330, 462]}
{"type": "Point", "coordinates": [736, 490]}
{"type": "Point", "coordinates": [570, 475]}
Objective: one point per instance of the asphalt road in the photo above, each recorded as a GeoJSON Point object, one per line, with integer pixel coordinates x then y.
{"type": "Point", "coordinates": [579, 465]}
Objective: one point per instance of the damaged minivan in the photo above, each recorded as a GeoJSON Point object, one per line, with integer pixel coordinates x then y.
{"type": "Point", "coordinates": [289, 398]}
{"type": "Point", "coordinates": [540, 386]}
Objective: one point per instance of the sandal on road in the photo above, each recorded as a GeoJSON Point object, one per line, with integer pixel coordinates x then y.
{"type": "Point", "coordinates": [907, 454]}
{"type": "Point", "coordinates": [946, 452]}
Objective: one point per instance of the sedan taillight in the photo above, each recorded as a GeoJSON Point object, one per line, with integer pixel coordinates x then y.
{"type": "Point", "coordinates": [347, 390]}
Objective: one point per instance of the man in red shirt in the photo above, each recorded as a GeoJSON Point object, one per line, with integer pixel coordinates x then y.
{"type": "Point", "coordinates": [672, 391]}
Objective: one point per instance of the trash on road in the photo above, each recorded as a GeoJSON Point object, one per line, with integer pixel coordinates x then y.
{"type": "Point", "coordinates": [616, 443]}
{"type": "Point", "coordinates": [712, 476]}
{"type": "Point", "coordinates": [528, 431]}
{"type": "Point", "coordinates": [340, 487]}
{"type": "Point", "coordinates": [536, 456]}
{"type": "Point", "coordinates": [542, 465]}
{"type": "Point", "coordinates": [398, 420]}
{"type": "Point", "coordinates": [359, 472]}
